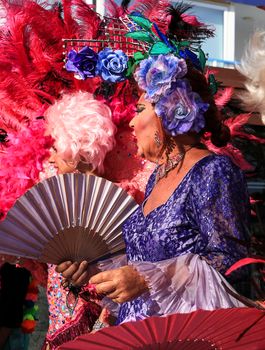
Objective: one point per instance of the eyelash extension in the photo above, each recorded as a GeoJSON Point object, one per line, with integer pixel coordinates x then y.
{"type": "Point", "coordinates": [139, 110]}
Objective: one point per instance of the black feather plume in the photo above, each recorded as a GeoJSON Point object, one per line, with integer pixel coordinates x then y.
{"type": "Point", "coordinates": [179, 29]}
{"type": "Point", "coordinates": [125, 4]}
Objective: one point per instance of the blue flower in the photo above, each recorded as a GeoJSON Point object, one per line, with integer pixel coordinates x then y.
{"type": "Point", "coordinates": [157, 73]}
{"type": "Point", "coordinates": [83, 62]}
{"type": "Point", "coordinates": [181, 109]}
{"type": "Point", "coordinates": [112, 65]}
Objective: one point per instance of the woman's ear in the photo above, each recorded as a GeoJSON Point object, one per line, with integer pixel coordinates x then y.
{"type": "Point", "coordinates": [85, 168]}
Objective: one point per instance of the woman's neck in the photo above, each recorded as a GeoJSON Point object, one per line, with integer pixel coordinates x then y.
{"type": "Point", "coordinates": [178, 146]}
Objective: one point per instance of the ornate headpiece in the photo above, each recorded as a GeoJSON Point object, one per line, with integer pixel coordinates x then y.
{"type": "Point", "coordinates": [158, 52]}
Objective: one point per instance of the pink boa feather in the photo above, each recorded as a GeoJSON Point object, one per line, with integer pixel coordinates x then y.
{"type": "Point", "coordinates": [21, 162]}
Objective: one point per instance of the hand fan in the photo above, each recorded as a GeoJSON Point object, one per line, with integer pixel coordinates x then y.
{"type": "Point", "coordinates": [67, 217]}
{"type": "Point", "coordinates": [226, 329]}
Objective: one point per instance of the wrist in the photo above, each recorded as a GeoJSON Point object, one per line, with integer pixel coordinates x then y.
{"type": "Point", "coordinates": [142, 284]}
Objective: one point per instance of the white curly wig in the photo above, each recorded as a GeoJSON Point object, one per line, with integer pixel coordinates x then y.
{"type": "Point", "coordinates": [253, 68]}
{"type": "Point", "coordinates": [82, 128]}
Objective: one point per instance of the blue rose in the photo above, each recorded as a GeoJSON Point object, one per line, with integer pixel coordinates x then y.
{"type": "Point", "coordinates": [181, 109]}
{"type": "Point", "coordinates": [156, 74]}
{"type": "Point", "coordinates": [83, 62]}
{"type": "Point", "coordinates": [112, 65]}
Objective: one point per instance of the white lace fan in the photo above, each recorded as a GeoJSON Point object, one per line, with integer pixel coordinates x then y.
{"type": "Point", "coordinates": [67, 217]}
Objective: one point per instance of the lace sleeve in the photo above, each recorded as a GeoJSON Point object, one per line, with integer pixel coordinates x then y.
{"type": "Point", "coordinates": [221, 210]}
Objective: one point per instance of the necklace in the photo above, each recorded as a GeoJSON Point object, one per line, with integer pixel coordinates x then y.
{"type": "Point", "coordinates": [169, 165]}
{"type": "Point", "coordinates": [165, 168]}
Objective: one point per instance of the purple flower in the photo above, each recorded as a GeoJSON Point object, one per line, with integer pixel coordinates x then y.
{"type": "Point", "coordinates": [181, 109]}
{"type": "Point", "coordinates": [112, 65]}
{"type": "Point", "coordinates": [83, 62]}
{"type": "Point", "coordinates": [157, 73]}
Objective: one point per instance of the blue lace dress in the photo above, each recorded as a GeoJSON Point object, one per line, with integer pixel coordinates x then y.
{"type": "Point", "coordinates": [185, 245]}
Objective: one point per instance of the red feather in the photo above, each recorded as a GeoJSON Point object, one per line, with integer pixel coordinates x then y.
{"type": "Point", "coordinates": [70, 23]}
{"type": "Point", "coordinates": [243, 262]}
{"type": "Point", "coordinates": [155, 10]}
{"type": "Point", "coordinates": [88, 20]}
{"type": "Point", "coordinates": [235, 126]}
{"type": "Point", "coordinates": [192, 20]}
{"type": "Point", "coordinates": [229, 150]}
{"type": "Point", "coordinates": [114, 10]}
{"type": "Point", "coordinates": [224, 97]}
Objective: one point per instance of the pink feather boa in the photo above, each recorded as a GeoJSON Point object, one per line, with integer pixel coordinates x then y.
{"type": "Point", "coordinates": [21, 162]}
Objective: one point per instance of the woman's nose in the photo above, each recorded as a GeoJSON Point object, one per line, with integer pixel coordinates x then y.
{"type": "Point", "coordinates": [51, 159]}
{"type": "Point", "coordinates": [132, 123]}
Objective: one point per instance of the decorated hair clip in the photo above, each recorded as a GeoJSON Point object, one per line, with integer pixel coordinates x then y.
{"type": "Point", "coordinates": [159, 56]}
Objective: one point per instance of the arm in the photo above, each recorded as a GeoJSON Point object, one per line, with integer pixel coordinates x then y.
{"type": "Point", "coordinates": [221, 211]}
{"type": "Point", "coordinates": [112, 277]}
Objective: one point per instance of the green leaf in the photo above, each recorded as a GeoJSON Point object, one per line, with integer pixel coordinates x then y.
{"type": "Point", "coordinates": [184, 43]}
{"type": "Point", "coordinates": [213, 84]}
{"type": "Point", "coordinates": [159, 48]}
{"type": "Point", "coordinates": [134, 61]}
{"type": "Point", "coordinates": [176, 46]}
{"type": "Point", "coordinates": [130, 65]}
{"type": "Point", "coordinates": [142, 22]}
{"type": "Point", "coordinates": [141, 36]}
{"type": "Point", "coordinates": [202, 58]}
{"type": "Point", "coordinates": [139, 56]}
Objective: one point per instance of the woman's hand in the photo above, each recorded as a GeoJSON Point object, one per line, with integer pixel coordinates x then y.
{"type": "Point", "coordinates": [120, 285]}
{"type": "Point", "coordinates": [76, 273]}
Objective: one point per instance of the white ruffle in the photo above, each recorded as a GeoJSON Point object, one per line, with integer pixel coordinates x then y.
{"type": "Point", "coordinates": [185, 284]}
{"type": "Point", "coordinates": [112, 264]}
{"type": "Point", "coordinates": [182, 284]}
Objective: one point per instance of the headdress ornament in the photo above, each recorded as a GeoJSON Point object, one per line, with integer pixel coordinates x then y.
{"type": "Point", "coordinates": [158, 53]}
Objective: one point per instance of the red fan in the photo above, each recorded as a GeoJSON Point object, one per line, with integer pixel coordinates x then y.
{"type": "Point", "coordinates": [226, 329]}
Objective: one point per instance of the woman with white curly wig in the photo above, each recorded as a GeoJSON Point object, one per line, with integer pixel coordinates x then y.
{"type": "Point", "coordinates": [253, 68]}
{"type": "Point", "coordinates": [83, 134]}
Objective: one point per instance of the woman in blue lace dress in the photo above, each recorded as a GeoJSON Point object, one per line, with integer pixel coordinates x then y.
{"type": "Point", "coordinates": [184, 236]}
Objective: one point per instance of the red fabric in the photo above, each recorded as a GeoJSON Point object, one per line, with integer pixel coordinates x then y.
{"type": "Point", "coordinates": [82, 324]}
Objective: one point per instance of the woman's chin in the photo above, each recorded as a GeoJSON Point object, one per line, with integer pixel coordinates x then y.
{"type": "Point", "coordinates": [140, 153]}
